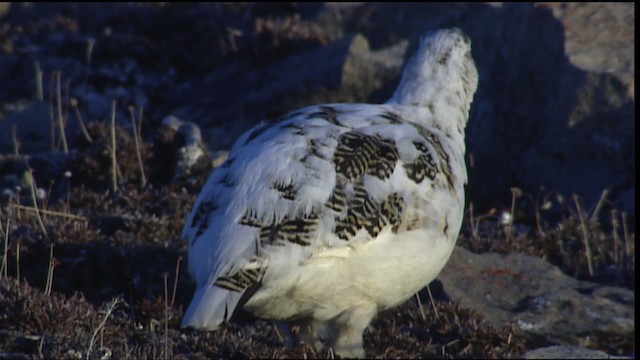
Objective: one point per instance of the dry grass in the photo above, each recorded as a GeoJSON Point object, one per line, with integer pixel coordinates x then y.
{"type": "Point", "coordinates": [120, 288]}
{"type": "Point", "coordinates": [587, 244]}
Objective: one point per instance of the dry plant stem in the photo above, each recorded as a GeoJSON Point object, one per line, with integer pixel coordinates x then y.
{"type": "Point", "coordinates": [14, 139]}
{"type": "Point", "coordinates": [35, 204]}
{"type": "Point", "coordinates": [513, 208]}
{"type": "Point", "coordinates": [474, 228]}
{"type": "Point", "coordinates": [85, 133]}
{"type": "Point", "coordinates": [114, 172]}
{"type": "Point", "coordinates": [175, 282]}
{"type": "Point", "coordinates": [17, 215]}
{"type": "Point", "coordinates": [627, 249]}
{"type": "Point", "coordinates": [67, 105]}
{"type": "Point", "coordinates": [38, 71]}
{"type": "Point", "coordinates": [140, 113]}
{"type": "Point", "coordinates": [601, 201]}
{"type": "Point", "coordinates": [90, 43]}
{"type": "Point", "coordinates": [68, 207]}
{"type": "Point", "coordinates": [539, 217]}
{"type": "Point", "coordinates": [166, 317]}
{"type": "Point", "coordinates": [49, 283]}
{"type": "Point", "coordinates": [424, 317]}
{"type": "Point", "coordinates": [433, 303]}
{"type": "Point", "coordinates": [444, 347]}
{"type": "Point", "coordinates": [2, 212]}
{"type": "Point", "coordinates": [51, 114]}
{"type": "Point", "coordinates": [585, 234]}
{"type": "Point", "coordinates": [18, 261]}
{"type": "Point", "coordinates": [40, 346]}
{"type": "Point", "coordinates": [110, 309]}
{"type": "Point", "coordinates": [143, 179]}
{"type": "Point", "coordinates": [466, 349]}
{"type": "Point", "coordinates": [5, 265]}
{"type": "Point", "coordinates": [49, 212]}
{"type": "Point", "coordinates": [59, 113]}
{"type": "Point", "coordinates": [616, 238]}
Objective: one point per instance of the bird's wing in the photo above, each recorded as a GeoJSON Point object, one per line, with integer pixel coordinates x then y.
{"type": "Point", "coordinates": [323, 177]}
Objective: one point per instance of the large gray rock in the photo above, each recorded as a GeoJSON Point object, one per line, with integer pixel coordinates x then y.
{"type": "Point", "coordinates": [555, 106]}
{"type": "Point", "coordinates": [568, 352]}
{"type": "Point", "coordinates": [230, 100]}
{"type": "Point", "coordinates": [544, 115]}
{"type": "Point", "coordinates": [538, 297]}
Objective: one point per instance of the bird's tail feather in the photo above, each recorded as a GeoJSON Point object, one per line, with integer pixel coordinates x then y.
{"type": "Point", "coordinates": [211, 306]}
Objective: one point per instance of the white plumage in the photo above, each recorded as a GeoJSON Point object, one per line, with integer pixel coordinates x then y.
{"type": "Point", "coordinates": [336, 212]}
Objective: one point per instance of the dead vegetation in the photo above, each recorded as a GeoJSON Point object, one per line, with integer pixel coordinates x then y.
{"type": "Point", "coordinates": [97, 273]}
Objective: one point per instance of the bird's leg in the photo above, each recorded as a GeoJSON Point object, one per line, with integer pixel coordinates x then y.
{"type": "Point", "coordinates": [314, 333]}
{"type": "Point", "coordinates": [285, 333]}
{"type": "Point", "coordinates": [349, 327]}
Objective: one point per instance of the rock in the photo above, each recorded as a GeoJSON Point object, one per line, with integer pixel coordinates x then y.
{"type": "Point", "coordinates": [568, 352]}
{"type": "Point", "coordinates": [32, 128]}
{"type": "Point", "coordinates": [555, 119]}
{"type": "Point", "coordinates": [600, 37]}
{"type": "Point", "coordinates": [537, 297]}
{"type": "Point", "coordinates": [179, 152]}
{"type": "Point", "coordinates": [556, 96]}
{"type": "Point", "coordinates": [236, 97]}
{"type": "Point", "coordinates": [556, 91]}
{"type": "Point", "coordinates": [49, 170]}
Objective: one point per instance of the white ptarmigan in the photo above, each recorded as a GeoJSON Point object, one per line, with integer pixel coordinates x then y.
{"type": "Point", "coordinates": [336, 212]}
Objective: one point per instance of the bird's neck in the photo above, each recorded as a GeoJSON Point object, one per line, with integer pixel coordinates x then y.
{"type": "Point", "coordinates": [447, 104]}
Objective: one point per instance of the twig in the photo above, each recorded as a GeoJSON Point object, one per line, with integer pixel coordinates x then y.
{"type": "Point", "coordinates": [515, 193]}
{"type": "Point", "coordinates": [166, 316]}
{"type": "Point", "coordinates": [433, 303]}
{"type": "Point", "coordinates": [625, 232]}
{"type": "Point", "coordinates": [59, 113]}
{"type": "Point", "coordinates": [49, 212]}
{"type": "Point", "coordinates": [47, 197]}
{"type": "Point", "coordinates": [537, 208]}
{"type": "Point", "coordinates": [39, 92]}
{"type": "Point", "coordinates": [140, 113]}
{"type": "Point", "coordinates": [52, 116]}
{"type": "Point", "coordinates": [474, 229]}
{"type": "Point", "coordinates": [67, 88]}
{"type": "Point", "coordinates": [40, 346]}
{"type": "Point", "coordinates": [143, 179]}
{"type": "Point", "coordinates": [18, 216]}
{"type": "Point", "coordinates": [424, 317]}
{"type": "Point", "coordinates": [85, 133]}
{"type": "Point", "coordinates": [67, 174]}
{"type": "Point", "coordinates": [175, 282]}
{"type": "Point", "coordinates": [616, 238]}
{"type": "Point", "coordinates": [14, 139]}
{"type": "Point", "coordinates": [601, 201]}
{"type": "Point", "coordinates": [110, 309]}
{"type": "Point", "coordinates": [5, 264]}
{"type": "Point", "coordinates": [18, 261]}
{"type": "Point", "coordinates": [585, 234]}
{"type": "Point", "coordinates": [90, 43]}
{"type": "Point", "coordinates": [35, 203]}
{"type": "Point", "coordinates": [114, 171]}
{"type": "Point", "coordinates": [52, 264]}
